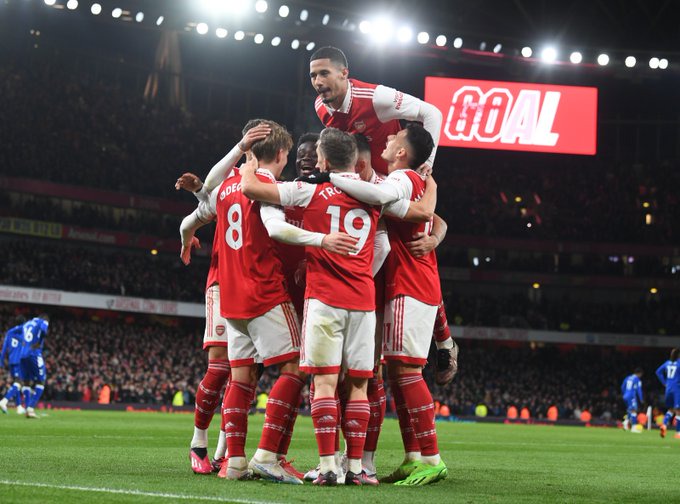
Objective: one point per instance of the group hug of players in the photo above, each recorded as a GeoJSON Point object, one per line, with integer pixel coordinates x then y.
{"type": "Point", "coordinates": [348, 249]}
{"type": "Point", "coordinates": [22, 348]}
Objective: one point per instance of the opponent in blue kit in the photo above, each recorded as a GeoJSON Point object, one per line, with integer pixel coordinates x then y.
{"type": "Point", "coordinates": [11, 349]}
{"type": "Point", "coordinates": [32, 363]}
{"type": "Point", "coordinates": [669, 375]}
{"type": "Point", "coordinates": [631, 388]}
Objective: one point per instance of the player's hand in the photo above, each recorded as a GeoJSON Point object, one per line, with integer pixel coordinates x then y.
{"type": "Point", "coordinates": [424, 170]}
{"type": "Point", "coordinates": [253, 135]}
{"type": "Point", "coordinates": [300, 274]}
{"type": "Point", "coordinates": [250, 166]}
{"type": "Point", "coordinates": [422, 244]}
{"type": "Point", "coordinates": [339, 243]}
{"type": "Point", "coordinates": [185, 255]}
{"type": "Point", "coordinates": [315, 178]}
{"type": "Point", "coordinates": [189, 182]}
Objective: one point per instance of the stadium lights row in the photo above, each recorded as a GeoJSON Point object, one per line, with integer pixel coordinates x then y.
{"type": "Point", "coordinates": [258, 38]}
{"type": "Point", "coordinates": [380, 29]}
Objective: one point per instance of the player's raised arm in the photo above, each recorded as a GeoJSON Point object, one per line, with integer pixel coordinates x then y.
{"type": "Point", "coordinates": [373, 194]}
{"type": "Point", "coordinates": [391, 104]}
{"type": "Point", "coordinates": [204, 213]}
{"type": "Point", "coordinates": [254, 188]}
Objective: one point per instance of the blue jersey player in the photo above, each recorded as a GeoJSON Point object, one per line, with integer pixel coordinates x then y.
{"type": "Point", "coordinates": [32, 363]}
{"type": "Point", "coordinates": [669, 374]}
{"type": "Point", "coordinates": [11, 349]}
{"type": "Point", "coordinates": [631, 388]}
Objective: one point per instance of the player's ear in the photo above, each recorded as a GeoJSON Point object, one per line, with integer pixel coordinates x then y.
{"type": "Point", "coordinates": [345, 72]}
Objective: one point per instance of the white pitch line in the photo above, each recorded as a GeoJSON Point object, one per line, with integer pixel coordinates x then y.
{"type": "Point", "coordinates": [158, 495]}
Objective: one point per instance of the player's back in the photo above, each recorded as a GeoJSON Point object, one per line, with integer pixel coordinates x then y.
{"type": "Point", "coordinates": [416, 277]}
{"type": "Point", "coordinates": [13, 342]}
{"type": "Point", "coordinates": [34, 332]}
{"type": "Point", "coordinates": [672, 374]}
{"type": "Point", "coordinates": [630, 386]}
{"type": "Point", "coordinates": [251, 279]}
{"type": "Point", "coordinates": [341, 281]}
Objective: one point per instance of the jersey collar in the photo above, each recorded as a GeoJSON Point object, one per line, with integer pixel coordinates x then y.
{"type": "Point", "coordinates": [346, 103]}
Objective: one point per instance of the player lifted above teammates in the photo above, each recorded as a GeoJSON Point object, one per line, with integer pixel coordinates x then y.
{"type": "Point", "coordinates": [669, 376]}
{"type": "Point", "coordinates": [359, 107]}
{"type": "Point", "coordinates": [261, 322]}
{"type": "Point", "coordinates": [413, 294]}
{"type": "Point", "coordinates": [215, 336]}
{"type": "Point", "coordinates": [631, 388]}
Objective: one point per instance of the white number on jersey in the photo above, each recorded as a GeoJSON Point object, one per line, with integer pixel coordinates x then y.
{"type": "Point", "coordinates": [234, 234]}
{"type": "Point", "coordinates": [41, 362]}
{"type": "Point", "coordinates": [629, 384]}
{"type": "Point", "coordinates": [15, 343]}
{"type": "Point", "coordinates": [354, 216]}
{"type": "Point", "coordinates": [28, 335]}
{"type": "Point", "coordinates": [670, 371]}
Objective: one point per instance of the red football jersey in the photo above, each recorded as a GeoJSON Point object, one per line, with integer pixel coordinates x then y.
{"type": "Point", "coordinates": [291, 257]}
{"type": "Point", "coordinates": [358, 115]}
{"type": "Point", "coordinates": [341, 281]}
{"type": "Point", "coordinates": [213, 275]}
{"type": "Point", "coordinates": [250, 272]}
{"type": "Point", "coordinates": [416, 277]}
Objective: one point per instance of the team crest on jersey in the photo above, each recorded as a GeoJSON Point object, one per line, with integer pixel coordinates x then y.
{"type": "Point", "coordinates": [219, 330]}
{"type": "Point", "coordinates": [360, 126]}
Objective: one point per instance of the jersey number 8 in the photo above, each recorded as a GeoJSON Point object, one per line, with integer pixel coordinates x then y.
{"type": "Point", "coordinates": [234, 234]}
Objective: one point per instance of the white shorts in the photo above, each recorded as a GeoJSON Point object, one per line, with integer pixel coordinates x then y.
{"type": "Point", "coordinates": [215, 325]}
{"type": "Point", "coordinates": [271, 338]}
{"type": "Point", "coordinates": [407, 330]}
{"type": "Point", "coordinates": [335, 339]}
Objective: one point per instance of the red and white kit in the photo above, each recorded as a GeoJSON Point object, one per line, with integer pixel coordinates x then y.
{"type": "Point", "coordinates": [215, 325]}
{"type": "Point", "coordinates": [339, 316]}
{"type": "Point", "coordinates": [375, 110]}
{"type": "Point", "coordinates": [260, 318]}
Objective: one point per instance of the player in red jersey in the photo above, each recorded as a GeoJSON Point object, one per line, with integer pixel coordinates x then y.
{"type": "Point", "coordinates": [260, 319]}
{"type": "Point", "coordinates": [215, 336]}
{"type": "Point", "coordinates": [359, 107]}
{"type": "Point", "coordinates": [413, 294]}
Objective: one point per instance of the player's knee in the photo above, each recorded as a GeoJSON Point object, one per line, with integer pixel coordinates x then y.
{"type": "Point", "coordinates": [217, 352]}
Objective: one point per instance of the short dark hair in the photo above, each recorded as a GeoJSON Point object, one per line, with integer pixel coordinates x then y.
{"type": "Point", "coordinates": [307, 137]}
{"type": "Point", "coordinates": [362, 143]}
{"type": "Point", "coordinates": [675, 354]}
{"type": "Point", "coordinates": [638, 370]}
{"type": "Point", "coordinates": [265, 150]}
{"type": "Point", "coordinates": [421, 144]}
{"type": "Point", "coordinates": [20, 319]}
{"type": "Point", "coordinates": [332, 53]}
{"type": "Point", "coordinates": [338, 148]}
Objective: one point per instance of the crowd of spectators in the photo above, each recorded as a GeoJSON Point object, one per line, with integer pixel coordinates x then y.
{"type": "Point", "coordinates": [146, 360]}
{"type": "Point", "coordinates": [34, 263]}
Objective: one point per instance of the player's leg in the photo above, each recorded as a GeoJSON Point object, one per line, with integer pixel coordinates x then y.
{"type": "Point", "coordinates": [14, 390]}
{"type": "Point", "coordinates": [411, 325]}
{"type": "Point", "coordinates": [668, 417]}
{"type": "Point", "coordinates": [447, 349]}
{"type": "Point", "coordinates": [39, 378]}
{"type": "Point", "coordinates": [377, 401]}
{"type": "Point", "coordinates": [632, 415]}
{"type": "Point", "coordinates": [276, 336]}
{"type": "Point", "coordinates": [240, 395]}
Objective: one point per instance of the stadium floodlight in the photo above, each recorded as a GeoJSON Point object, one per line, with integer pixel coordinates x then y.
{"type": "Point", "coordinates": [276, 41]}
{"type": "Point", "coordinates": [654, 63]}
{"type": "Point", "coordinates": [630, 61]}
{"type": "Point", "coordinates": [458, 42]}
{"type": "Point", "coordinates": [160, 20]}
{"type": "Point", "coordinates": [381, 30]}
{"type": "Point", "coordinates": [50, 2]}
{"type": "Point", "coordinates": [224, 6]}
{"type": "Point", "coordinates": [475, 261]}
{"type": "Point", "coordinates": [284, 11]}
{"type": "Point", "coordinates": [404, 34]}
{"type": "Point", "coordinates": [221, 33]}
{"type": "Point", "coordinates": [310, 46]}
{"type": "Point", "coordinates": [304, 15]}
{"type": "Point", "coordinates": [139, 17]}
{"type": "Point", "coordinates": [497, 48]}
{"type": "Point", "coordinates": [261, 6]}
{"type": "Point", "coordinates": [96, 9]}
{"type": "Point", "coordinates": [603, 59]}
{"type": "Point", "coordinates": [576, 57]}
{"type": "Point", "coordinates": [365, 26]}
{"type": "Point", "coordinates": [536, 285]}
{"type": "Point", "coordinates": [527, 52]}
{"type": "Point", "coordinates": [202, 28]}
{"type": "Point", "coordinates": [117, 12]}
{"type": "Point", "coordinates": [663, 63]}
{"type": "Point", "coordinates": [653, 290]}
{"type": "Point", "coordinates": [440, 40]}
{"type": "Point", "coordinates": [72, 4]}
{"type": "Point", "coordinates": [423, 38]}
{"type": "Point", "coordinates": [240, 35]}
{"type": "Point", "coordinates": [549, 55]}
{"type": "Point", "coordinates": [295, 44]}
{"type": "Point", "coordinates": [325, 19]}
{"type": "Point", "coordinates": [482, 46]}
{"type": "Point", "coordinates": [258, 38]}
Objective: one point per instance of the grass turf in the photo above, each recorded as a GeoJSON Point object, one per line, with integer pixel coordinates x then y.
{"type": "Point", "coordinates": [122, 457]}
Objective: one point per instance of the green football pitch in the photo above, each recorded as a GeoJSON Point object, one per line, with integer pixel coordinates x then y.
{"type": "Point", "coordinates": [122, 457]}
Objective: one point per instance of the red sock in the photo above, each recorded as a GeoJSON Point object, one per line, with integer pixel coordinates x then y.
{"type": "Point", "coordinates": [354, 424]}
{"type": "Point", "coordinates": [325, 419]}
{"type": "Point", "coordinates": [288, 434]}
{"type": "Point", "coordinates": [378, 403]}
{"type": "Point", "coordinates": [338, 427]}
{"type": "Point", "coordinates": [441, 324]}
{"type": "Point", "coordinates": [283, 399]}
{"type": "Point", "coordinates": [236, 407]}
{"type": "Point", "coordinates": [408, 435]}
{"type": "Point", "coordinates": [421, 410]}
{"type": "Point", "coordinates": [208, 393]}
{"type": "Point", "coordinates": [224, 406]}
